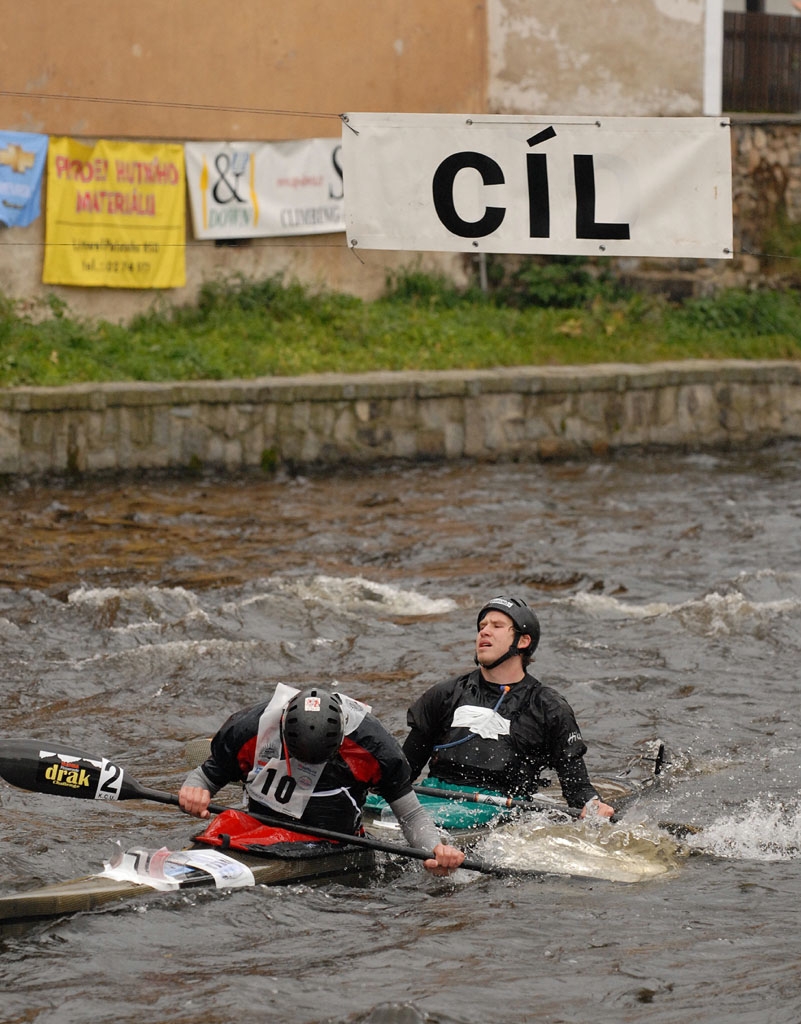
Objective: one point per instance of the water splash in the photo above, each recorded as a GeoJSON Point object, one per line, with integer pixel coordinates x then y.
{"type": "Point", "coordinates": [602, 850]}
{"type": "Point", "coordinates": [764, 829]}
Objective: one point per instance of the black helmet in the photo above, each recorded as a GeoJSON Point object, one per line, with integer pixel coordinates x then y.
{"type": "Point", "coordinates": [526, 622]}
{"type": "Point", "coordinates": [313, 725]}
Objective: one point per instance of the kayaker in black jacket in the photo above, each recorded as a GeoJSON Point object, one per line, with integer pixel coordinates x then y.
{"type": "Point", "coordinates": [498, 727]}
{"type": "Point", "coordinates": [312, 757]}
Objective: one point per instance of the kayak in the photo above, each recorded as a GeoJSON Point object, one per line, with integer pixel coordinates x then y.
{"type": "Point", "coordinates": [278, 858]}
{"type": "Point", "coordinates": [233, 850]}
{"type": "Point", "coordinates": [141, 872]}
{"type": "Point", "coordinates": [271, 855]}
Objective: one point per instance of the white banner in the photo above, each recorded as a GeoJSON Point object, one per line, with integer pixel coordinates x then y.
{"type": "Point", "coordinates": [254, 189]}
{"type": "Point", "coordinates": [614, 186]}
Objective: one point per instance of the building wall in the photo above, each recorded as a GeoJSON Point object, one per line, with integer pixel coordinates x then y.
{"type": "Point", "coordinates": [631, 58]}
{"type": "Point", "coordinates": [193, 70]}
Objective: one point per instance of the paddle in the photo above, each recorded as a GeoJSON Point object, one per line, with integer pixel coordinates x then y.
{"type": "Point", "coordinates": [61, 770]}
{"type": "Point", "coordinates": [504, 801]}
{"type": "Point", "coordinates": [678, 829]}
{"type": "Point", "coordinates": [498, 801]}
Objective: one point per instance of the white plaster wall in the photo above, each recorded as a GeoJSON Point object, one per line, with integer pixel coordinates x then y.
{"type": "Point", "coordinates": [626, 58]}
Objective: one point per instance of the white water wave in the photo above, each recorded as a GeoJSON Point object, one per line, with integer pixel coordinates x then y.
{"type": "Point", "coordinates": [114, 603]}
{"type": "Point", "coordinates": [8, 629]}
{"type": "Point", "coordinates": [355, 593]}
{"type": "Point", "coordinates": [349, 593]}
{"type": "Point", "coordinates": [162, 657]}
{"type": "Point", "coordinates": [714, 614]}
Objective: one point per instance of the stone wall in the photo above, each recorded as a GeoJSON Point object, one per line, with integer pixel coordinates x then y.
{"type": "Point", "coordinates": [766, 175]}
{"type": "Point", "coordinates": [332, 420]}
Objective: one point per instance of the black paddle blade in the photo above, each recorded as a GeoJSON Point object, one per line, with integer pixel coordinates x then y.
{"type": "Point", "coordinates": [45, 766]}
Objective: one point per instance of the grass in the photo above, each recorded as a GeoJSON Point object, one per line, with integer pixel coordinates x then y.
{"type": "Point", "coordinates": [559, 312]}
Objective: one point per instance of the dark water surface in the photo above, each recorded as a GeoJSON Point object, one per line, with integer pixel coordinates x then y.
{"type": "Point", "coordinates": [135, 617]}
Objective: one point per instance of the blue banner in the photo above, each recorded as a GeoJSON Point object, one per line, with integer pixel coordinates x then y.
{"type": "Point", "coordinates": [22, 161]}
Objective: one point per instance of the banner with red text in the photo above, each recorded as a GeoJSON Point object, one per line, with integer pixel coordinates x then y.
{"type": "Point", "coordinates": [271, 189]}
{"type": "Point", "coordinates": [587, 186]}
{"type": "Point", "coordinates": [116, 215]}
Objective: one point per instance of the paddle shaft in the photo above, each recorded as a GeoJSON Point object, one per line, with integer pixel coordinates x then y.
{"type": "Point", "coordinates": [505, 801]}
{"type": "Point", "coordinates": [38, 766]}
{"type": "Point", "coordinates": [325, 833]}
{"type": "Point", "coordinates": [497, 801]}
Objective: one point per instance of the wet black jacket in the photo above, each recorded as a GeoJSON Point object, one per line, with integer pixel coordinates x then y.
{"type": "Point", "coordinates": [543, 734]}
{"type": "Point", "coordinates": [369, 758]}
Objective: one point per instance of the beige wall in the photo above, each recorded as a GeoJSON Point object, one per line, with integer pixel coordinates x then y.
{"type": "Point", "coordinates": [178, 62]}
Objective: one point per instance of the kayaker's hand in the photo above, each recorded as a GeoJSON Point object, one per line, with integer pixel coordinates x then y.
{"type": "Point", "coordinates": [596, 808]}
{"type": "Point", "coordinates": [448, 859]}
{"type": "Point", "coordinates": [195, 801]}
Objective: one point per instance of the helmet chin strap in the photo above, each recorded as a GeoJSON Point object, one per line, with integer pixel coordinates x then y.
{"type": "Point", "coordinates": [513, 650]}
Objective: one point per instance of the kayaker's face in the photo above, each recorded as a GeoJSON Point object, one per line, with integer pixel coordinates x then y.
{"type": "Point", "coordinates": [496, 634]}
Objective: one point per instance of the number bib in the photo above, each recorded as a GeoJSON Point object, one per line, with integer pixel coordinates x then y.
{"type": "Point", "coordinates": [280, 791]}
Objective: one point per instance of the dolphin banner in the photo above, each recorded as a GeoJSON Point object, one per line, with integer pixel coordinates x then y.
{"type": "Point", "coordinates": [22, 162]}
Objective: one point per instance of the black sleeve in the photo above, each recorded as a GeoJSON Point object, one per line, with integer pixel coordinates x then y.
{"type": "Point", "coordinates": [567, 751]}
{"type": "Point", "coordinates": [575, 781]}
{"type": "Point", "coordinates": [222, 766]}
{"type": "Point", "coordinates": [417, 751]}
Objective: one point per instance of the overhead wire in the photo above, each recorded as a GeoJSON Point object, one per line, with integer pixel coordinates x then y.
{"type": "Point", "coordinates": [177, 104]}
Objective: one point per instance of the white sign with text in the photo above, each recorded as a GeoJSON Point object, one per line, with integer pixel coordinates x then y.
{"type": "Point", "coordinates": [614, 186]}
{"type": "Point", "coordinates": [262, 189]}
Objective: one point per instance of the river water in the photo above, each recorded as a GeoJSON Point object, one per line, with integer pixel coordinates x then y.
{"type": "Point", "coordinates": [136, 616]}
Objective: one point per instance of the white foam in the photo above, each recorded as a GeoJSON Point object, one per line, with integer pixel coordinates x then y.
{"type": "Point", "coordinates": [763, 829]}
{"type": "Point", "coordinates": [99, 595]}
{"type": "Point", "coordinates": [355, 592]}
{"type": "Point", "coordinates": [592, 849]}
{"type": "Point", "coordinates": [714, 614]}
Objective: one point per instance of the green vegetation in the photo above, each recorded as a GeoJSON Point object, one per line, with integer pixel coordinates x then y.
{"type": "Point", "coordinates": [559, 312]}
{"type": "Point", "coordinates": [783, 241]}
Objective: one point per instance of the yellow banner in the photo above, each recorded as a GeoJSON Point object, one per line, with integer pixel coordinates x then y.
{"type": "Point", "coordinates": [115, 215]}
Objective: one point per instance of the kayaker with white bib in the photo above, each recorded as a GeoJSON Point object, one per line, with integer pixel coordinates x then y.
{"type": "Point", "coordinates": [312, 757]}
{"type": "Point", "coordinates": [498, 727]}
